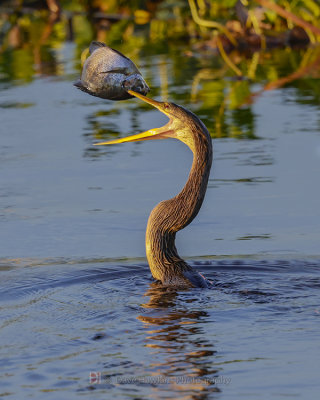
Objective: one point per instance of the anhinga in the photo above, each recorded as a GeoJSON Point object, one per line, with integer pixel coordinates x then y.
{"type": "Point", "coordinates": [170, 216]}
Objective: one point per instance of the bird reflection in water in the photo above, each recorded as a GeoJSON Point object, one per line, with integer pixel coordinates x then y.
{"type": "Point", "coordinates": [173, 330]}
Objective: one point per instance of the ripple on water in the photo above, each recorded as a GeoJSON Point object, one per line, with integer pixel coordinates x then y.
{"type": "Point", "coordinates": [110, 318]}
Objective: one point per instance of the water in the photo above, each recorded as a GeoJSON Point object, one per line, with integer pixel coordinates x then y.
{"type": "Point", "coordinates": [76, 293]}
{"type": "Point", "coordinates": [255, 335]}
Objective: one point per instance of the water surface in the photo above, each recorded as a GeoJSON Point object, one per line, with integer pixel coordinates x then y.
{"type": "Point", "coordinates": [76, 293]}
{"type": "Point", "coordinates": [254, 335]}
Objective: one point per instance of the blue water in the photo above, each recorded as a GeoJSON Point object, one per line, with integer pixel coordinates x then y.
{"type": "Point", "coordinates": [76, 295]}
{"type": "Point", "coordinates": [255, 335]}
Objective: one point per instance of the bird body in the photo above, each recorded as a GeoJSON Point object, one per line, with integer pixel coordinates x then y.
{"type": "Point", "coordinates": [170, 216]}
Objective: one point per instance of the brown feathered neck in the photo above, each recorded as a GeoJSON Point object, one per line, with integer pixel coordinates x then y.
{"type": "Point", "coordinates": [172, 215]}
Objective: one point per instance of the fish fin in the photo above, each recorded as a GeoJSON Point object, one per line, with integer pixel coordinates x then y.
{"type": "Point", "coordinates": [123, 71]}
{"type": "Point", "coordinates": [120, 54]}
{"type": "Point", "coordinates": [96, 45]}
{"type": "Point", "coordinates": [78, 84]}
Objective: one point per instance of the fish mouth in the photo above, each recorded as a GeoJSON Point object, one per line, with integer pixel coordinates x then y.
{"type": "Point", "coordinates": [163, 132]}
{"type": "Point", "coordinates": [136, 82]}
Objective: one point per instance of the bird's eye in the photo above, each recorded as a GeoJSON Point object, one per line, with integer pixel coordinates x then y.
{"type": "Point", "coordinates": [166, 106]}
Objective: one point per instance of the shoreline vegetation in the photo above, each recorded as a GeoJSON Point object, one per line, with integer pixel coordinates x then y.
{"type": "Point", "coordinates": [237, 50]}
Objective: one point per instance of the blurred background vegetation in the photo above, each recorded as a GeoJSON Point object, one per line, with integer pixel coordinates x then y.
{"type": "Point", "coordinates": [223, 54]}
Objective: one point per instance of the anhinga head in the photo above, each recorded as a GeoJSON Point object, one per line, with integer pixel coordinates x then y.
{"type": "Point", "coordinates": [182, 125]}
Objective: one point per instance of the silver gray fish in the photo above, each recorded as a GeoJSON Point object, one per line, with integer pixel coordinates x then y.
{"type": "Point", "coordinates": [109, 74]}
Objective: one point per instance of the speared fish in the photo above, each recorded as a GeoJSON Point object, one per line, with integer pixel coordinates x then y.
{"type": "Point", "coordinates": [109, 74]}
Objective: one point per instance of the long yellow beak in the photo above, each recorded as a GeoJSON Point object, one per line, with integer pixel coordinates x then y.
{"type": "Point", "coordinates": [146, 99]}
{"type": "Point", "coordinates": [151, 134]}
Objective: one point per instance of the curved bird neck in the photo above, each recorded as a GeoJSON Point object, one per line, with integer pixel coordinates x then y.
{"type": "Point", "coordinates": [170, 216]}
